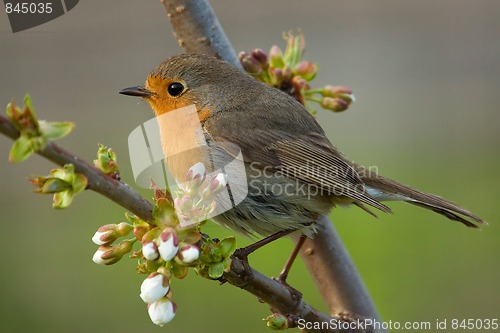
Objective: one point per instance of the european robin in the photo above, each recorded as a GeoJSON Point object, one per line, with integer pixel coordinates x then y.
{"type": "Point", "coordinates": [294, 173]}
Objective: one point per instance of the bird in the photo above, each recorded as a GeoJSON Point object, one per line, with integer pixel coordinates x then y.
{"type": "Point", "coordinates": [294, 173]}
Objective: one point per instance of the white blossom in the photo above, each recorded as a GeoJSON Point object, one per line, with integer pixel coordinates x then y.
{"type": "Point", "coordinates": [168, 245]}
{"type": "Point", "coordinates": [154, 288]}
{"type": "Point", "coordinates": [189, 253]}
{"type": "Point", "coordinates": [150, 251]}
{"type": "Point", "coordinates": [162, 311]}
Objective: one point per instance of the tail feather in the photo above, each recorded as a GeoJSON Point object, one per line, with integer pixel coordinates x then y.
{"type": "Point", "coordinates": [390, 189]}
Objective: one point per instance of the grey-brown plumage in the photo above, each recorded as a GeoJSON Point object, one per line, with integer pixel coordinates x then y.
{"type": "Point", "coordinates": [276, 134]}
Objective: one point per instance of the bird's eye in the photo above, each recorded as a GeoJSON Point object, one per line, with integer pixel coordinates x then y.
{"type": "Point", "coordinates": [175, 89]}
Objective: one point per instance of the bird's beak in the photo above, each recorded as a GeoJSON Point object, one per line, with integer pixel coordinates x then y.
{"type": "Point", "coordinates": [136, 91]}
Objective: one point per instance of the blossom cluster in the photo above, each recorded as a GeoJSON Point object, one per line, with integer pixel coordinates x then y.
{"type": "Point", "coordinates": [168, 248]}
{"type": "Point", "coordinates": [288, 71]}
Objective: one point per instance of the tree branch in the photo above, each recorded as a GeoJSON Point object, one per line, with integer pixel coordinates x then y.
{"type": "Point", "coordinates": [98, 181]}
{"type": "Point", "coordinates": [198, 30]}
{"type": "Point", "coordinates": [325, 256]}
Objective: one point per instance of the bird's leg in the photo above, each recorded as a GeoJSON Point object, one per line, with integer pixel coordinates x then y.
{"type": "Point", "coordinates": [244, 252]}
{"type": "Point", "coordinates": [288, 265]}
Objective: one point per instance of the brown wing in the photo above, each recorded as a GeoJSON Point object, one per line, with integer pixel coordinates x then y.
{"type": "Point", "coordinates": [296, 146]}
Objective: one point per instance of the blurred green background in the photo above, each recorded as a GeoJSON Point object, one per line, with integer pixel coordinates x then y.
{"type": "Point", "coordinates": [426, 75]}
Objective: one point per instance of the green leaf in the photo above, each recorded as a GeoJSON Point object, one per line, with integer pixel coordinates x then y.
{"type": "Point", "coordinates": [227, 263]}
{"type": "Point", "coordinates": [79, 183]}
{"type": "Point", "coordinates": [29, 105]}
{"type": "Point", "coordinates": [21, 150]}
{"type": "Point", "coordinates": [215, 271]}
{"type": "Point", "coordinates": [54, 185]}
{"type": "Point", "coordinates": [227, 246]}
{"type": "Point", "coordinates": [66, 173]}
{"type": "Point", "coordinates": [62, 200]}
{"type": "Point", "coordinates": [55, 130]}
{"type": "Point", "coordinates": [12, 112]}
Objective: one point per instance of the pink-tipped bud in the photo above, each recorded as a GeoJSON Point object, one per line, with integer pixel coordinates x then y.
{"type": "Point", "coordinates": [299, 83]}
{"type": "Point", "coordinates": [150, 251]}
{"type": "Point", "coordinates": [306, 70]}
{"type": "Point", "coordinates": [334, 104]}
{"type": "Point", "coordinates": [108, 233]}
{"type": "Point", "coordinates": [184, 204]}
{"type": "Point", "coordinates": [140, 231]}
{"type": "Point", "coordinates": [162, 311]}
{"type": "Point", "coordinates": [189, 253]}
{"type": "Point", "coordinates": [197, 171]}
{"type": "Point", "coordinates": [339, 92]}
{"type": "Point", "coordinates": [333, 91]}
{"type": "Point", "coordinates": [98, 256]}
{"type": "Point", "coordinates": [154, 287]}
{"type": "Point", "coordinates": [169, 244]}
{"type": "Point", "coordinates": [261, 57]}
{"type": "Point", "coordinates": [217, 184]}
{"type": "Point", "coordinates": [251, 65]}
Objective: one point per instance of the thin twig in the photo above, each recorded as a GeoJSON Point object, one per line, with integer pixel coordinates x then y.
{"type": "Point", "coordinates": [98, 181]}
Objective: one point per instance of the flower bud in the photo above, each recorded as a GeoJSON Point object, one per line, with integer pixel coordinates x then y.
{"type": "Point", "coordinates": [189, 253]}
{"type": "Point", "coordinates": [276, 57]}
{"type": "Point", "coordinates": [151, 235]}
{"type": "Point", "coordinates": [277, 321]}
{"type": "Point", "coordinates": [106, 160]}
{"type": "Point", "coordinates": [162, 311]}
{"type": "Point", "coordinates": [299, 83]}
{"type": "Point", "coordinates": [340, 92]}
{"type": "Point", "coordinates": [169, 244]}
{"type": "Point", "coordinates": [261, 57]}
{"type": "Point", "coordinates": [98, 259]}
{"type": "Point", "coordinates": [306, 70]}
{"type": "Point", "coordinates": [108, 255]}
{"type": "Point", "coordinates": [334, 91]}
{"type": "Point", "coordinates": [251, 65]}
{"type": "Point", "coordinates": [140, 231]}
{"type": "Point", "coordinates": [196, 171]}
{"type": "Point", "coordinates": [183, 204]}
{"type": "Point", "coordinates": [334, 104]}
{"type": "Point", "coordinates": [154, 287]}
{"type": "Point", "coordinates": [216, 185]}
{"type": "Point", "coordinates": [108, 233]}
{"type": "Point", "coordinates": [150, 251]}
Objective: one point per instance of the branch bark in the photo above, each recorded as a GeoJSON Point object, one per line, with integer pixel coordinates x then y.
{"type": "Point", "coordinates": [326, 258]}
